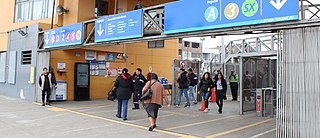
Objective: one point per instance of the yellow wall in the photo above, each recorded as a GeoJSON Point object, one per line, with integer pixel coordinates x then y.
{"type": "Point", "coordinates": [140, 56]}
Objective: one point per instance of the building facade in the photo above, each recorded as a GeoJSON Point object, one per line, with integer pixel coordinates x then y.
{"type": "Point", "coordinates": [21, 32]}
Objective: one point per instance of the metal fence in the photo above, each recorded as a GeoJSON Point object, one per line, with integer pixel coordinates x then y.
{"type": "Point", "coordinates": [299, 93]}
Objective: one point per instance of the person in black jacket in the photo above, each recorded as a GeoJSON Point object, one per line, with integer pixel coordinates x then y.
{"type": "Point", "coordinates": [124, 90]}
{"type": "Point", "coordinates": [193, 79]}
{"type": "Point", "coordinates": [221, 89]}
{"type": "Point", "coordinates": [139, 82]}
{"type": "Point", "coordinates": [205, 86]}
{"type": "Point", "coordinates": [183, 87]}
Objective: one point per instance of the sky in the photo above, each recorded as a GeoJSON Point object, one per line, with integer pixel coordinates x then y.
{"type": "Point", "coordinates": [211, 44]}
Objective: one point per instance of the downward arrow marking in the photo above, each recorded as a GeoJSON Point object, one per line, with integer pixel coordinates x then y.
{"type": "Point", "coordinates": [279, 4]}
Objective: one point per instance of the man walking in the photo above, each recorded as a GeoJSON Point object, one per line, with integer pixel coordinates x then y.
{"type": "Point", "coordinates": [139, 82]}
{"type": "Point", "coordinates": [45, 85]}
{"type": "Point", "coordinates": [183, 87]}
{"type": "Point", "coordinates": [193, 79]}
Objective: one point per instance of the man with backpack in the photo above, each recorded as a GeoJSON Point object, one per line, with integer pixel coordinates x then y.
{"type": "Point", "coordinates": [193, 81]}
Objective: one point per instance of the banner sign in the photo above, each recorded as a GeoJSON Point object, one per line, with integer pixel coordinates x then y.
{"type": "Point", "coordinates": [197, 15]}
{"type": "Point", "coordinates": [120, 26]}
{"type": "Point", "coordinates": [64, 36]}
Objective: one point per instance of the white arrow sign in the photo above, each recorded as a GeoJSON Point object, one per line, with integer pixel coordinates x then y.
{"type": "Point", "coordinates": [279, 4]}
{"type": "Point", "coordinates": [100, 31]}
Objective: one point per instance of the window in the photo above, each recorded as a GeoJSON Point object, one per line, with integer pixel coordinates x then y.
{"type": "Point", "coordinates": [186, 44]}
{"type": "Point", "coordinates": [195, 55]}
{"type": "Point", "coordinates": [27, 10]}
{"type": "Point", "coordinates": [195, 45]}
{"type": "Point", "coordinates": [26, 57]}
{"type": "Point", "coordinates": [156, 44]}
{"type": "Point", "coordinates": [101, 8]}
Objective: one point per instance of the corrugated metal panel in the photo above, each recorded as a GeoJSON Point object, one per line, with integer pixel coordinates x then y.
{"type": "Point", "coordinates": [299, 93]}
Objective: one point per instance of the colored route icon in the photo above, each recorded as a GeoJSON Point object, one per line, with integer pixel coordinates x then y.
{"type": "Point", "coordinates": [250, 8]}
{"type": "Point", "coordinates": [231, 11]}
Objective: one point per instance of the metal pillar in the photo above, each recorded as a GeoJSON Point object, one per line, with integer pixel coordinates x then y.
{"type": "Point", "coordinates": [241, 84]}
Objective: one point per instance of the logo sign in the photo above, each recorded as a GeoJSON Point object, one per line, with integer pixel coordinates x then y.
{"type": "Point", "coordinates": [120, 26]}
{"type": "Point", "coordinates": [214, 14]}
{"type": "Point", "coordinates": [64, 36]}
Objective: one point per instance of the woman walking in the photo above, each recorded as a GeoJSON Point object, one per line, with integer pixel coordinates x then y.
{"type": "Point", "coordinates": [221, 88]}
{"type": "Point", "coordinates": [124, 86]}
{"type": "Point", "coordinates": [153, 104]}
{"type": "Point", "coordinates": [205, 86]}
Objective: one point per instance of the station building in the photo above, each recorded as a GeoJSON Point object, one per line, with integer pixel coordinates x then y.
{"type": "Point", "coordinates": [23, 56]}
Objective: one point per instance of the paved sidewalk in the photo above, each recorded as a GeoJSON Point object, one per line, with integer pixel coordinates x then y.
{"type": "Point", "coordinates": [97, 119]}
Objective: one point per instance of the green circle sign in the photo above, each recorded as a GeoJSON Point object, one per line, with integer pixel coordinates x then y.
{"type": "Point", "coordinates": [250, 8]}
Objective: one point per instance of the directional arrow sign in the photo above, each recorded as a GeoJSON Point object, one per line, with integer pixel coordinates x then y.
{"type": "Point", "coordinates": [278, 4]}
{"type": "Point", "coordinates": [122, 26]}
{"type": "Point", "coordinates": [100, 31]}
{"type": "Point", "coordinates": [217, 14]}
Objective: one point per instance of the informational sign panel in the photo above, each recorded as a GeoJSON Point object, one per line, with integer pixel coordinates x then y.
{"type": "Point", "coordinates": [196, 15]}
{"type": "Point", "coordinates": [120, 26]}
{"type": "Point", "coordinates": [64, 36]}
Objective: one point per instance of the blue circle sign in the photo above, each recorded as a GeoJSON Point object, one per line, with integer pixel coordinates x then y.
{"type": "Point", "coordinates": [211, 14]}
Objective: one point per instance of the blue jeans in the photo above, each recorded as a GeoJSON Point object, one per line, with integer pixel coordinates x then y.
{"type": "Point", "coordinates": [185, 93]}
{"type": "Point", "coordinates": [122, 104]}
{"type": "Point", "coordinates": [191, 93]}
{"type": "Point", "coordinates": [206, 96]}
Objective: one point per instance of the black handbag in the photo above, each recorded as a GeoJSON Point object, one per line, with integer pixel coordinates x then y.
{"type": "Point", "coordinates": [112, 95]}
{"type": "Point", "coordinates": [148, 94]}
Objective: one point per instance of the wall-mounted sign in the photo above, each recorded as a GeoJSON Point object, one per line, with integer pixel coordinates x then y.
{"type": "Point", "coordinates": [91, 55]}
{"type": "Point", "coordinates": [101, 57]}
{"type": "Point", "coordinates": [64, 36]}
{"type": "Point", "coordinates": [120, 26]}
{"type": "Point", "coordinates": [112, 72]}
{"type": "Point", "coordinates": [212, 14]}
{"type": "Point", "coordinates": [111, 57]}
{"type": "Point", "coordinates": [61, 66]}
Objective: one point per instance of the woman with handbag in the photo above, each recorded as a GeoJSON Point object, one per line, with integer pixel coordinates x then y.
{"type": "Point", "coordinates": [153, 95]}
{"type": "Point", "coordinates": [124, 90]}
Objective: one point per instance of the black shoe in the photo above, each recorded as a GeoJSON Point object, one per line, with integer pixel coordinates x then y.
{"type": "Point", "coordinates": [135, 108]}
{"type": "Point", "coordinates": [152, 127]}
{"type": "Point", "coordinates": [48, 104]}
{"type": "Point", "coordinates": [43, 104]}
{"type": "Point", "coordinates": [195, 102]}
{"type": "Point", "coordinates": [220, 111]}
{"type": "Point", "coordinates": [118, 116]}
{"type": "Point", "coordinates": [125, 119]}
{"type": "Point", "coordinates": [187, 105]}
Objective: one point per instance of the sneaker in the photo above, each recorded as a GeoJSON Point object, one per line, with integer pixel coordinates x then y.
{"type": "Point", "coordinates": [178, 106]}
{"type": "Point", "coordinates": [187, 105]}
{"type": "Point", "coordinates": [118, 116]}
{"type": "Point", "coordinates": [43, 104]}
{"type": "Point", "coordinates": [220, 111]}
{"type": "Point", "coordinates": [205, 110]}
{"type": "Point", "coordinates": [125, 119]}
{"type": "Point", "coordinates": [195, 102]}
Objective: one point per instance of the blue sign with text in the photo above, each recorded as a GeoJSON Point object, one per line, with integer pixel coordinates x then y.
{"type": "Point", "coordinates": [121, 26]}
{"type": "Point", "coordinates": [196, 15]}
{"type": "Point", "coordinates": [64, 36]}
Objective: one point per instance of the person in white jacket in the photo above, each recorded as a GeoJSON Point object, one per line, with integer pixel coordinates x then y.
{"type": "Point", "coordinates": [45, 85]}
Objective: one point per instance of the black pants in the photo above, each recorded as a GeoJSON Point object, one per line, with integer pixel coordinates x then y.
{"type": "Point", "coordinates": [44, 95]}
{"type": "Point", "coordinates": [136, 98]}
{"type": "Point", "coordinates": [234, 90]}
{"type": "Point", "coordinates": [219, 99]}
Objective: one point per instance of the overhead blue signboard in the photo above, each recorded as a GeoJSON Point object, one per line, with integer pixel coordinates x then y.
{"type": "Point", "coordinates": [196, 15]}
{"type": "Point", "coordinates": [121, 26]}
{"type": "Point", "coordinates": [64, 36]}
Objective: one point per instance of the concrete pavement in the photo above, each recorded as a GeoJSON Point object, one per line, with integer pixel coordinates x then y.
{"type": "Point", "coordinates": [97, 119]}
